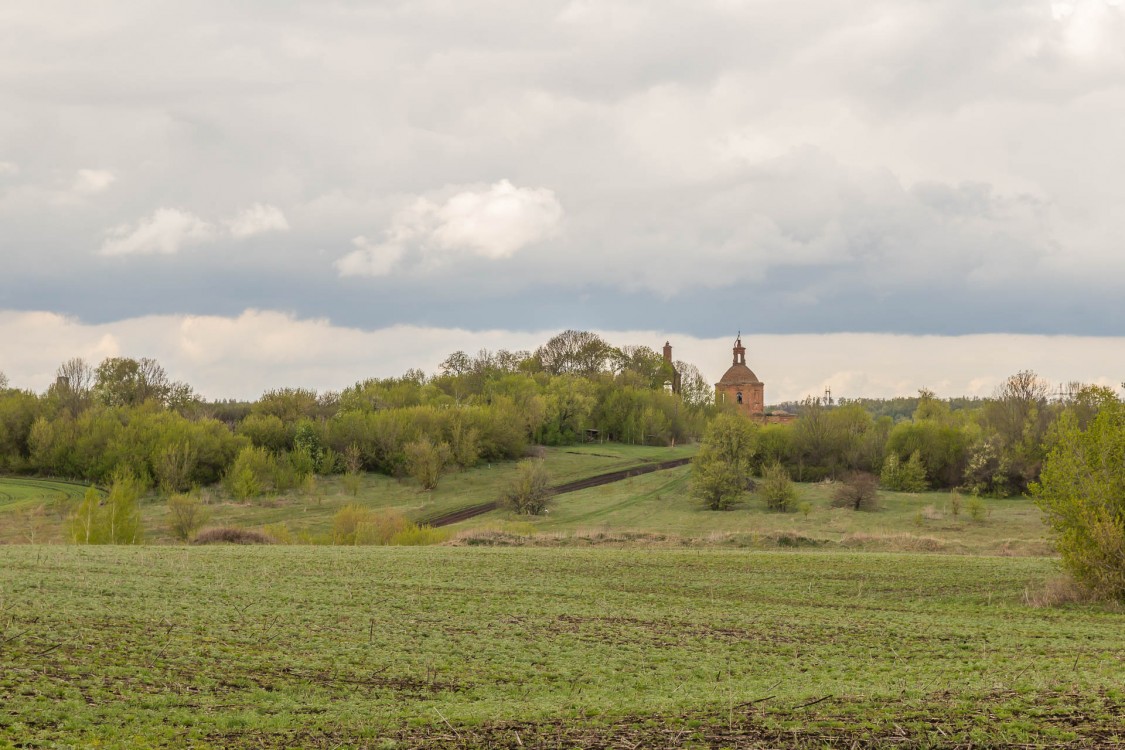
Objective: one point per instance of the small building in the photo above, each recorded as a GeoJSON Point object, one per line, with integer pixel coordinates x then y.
{"type": "Point", "coordinates": [676, 383]}
{"type": "Point", "coordinates": [741, 388]}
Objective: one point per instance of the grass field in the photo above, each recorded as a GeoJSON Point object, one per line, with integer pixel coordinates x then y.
{"type": "Point", "coordinates": [464, 647]}
{"type": "Point", "coordinates": [31, 518]}
{"type": "Point", "coordinates": [660, 504]}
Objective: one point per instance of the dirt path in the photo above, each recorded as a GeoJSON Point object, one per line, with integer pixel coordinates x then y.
{"type": "Point", "coordinates": [473, 511]}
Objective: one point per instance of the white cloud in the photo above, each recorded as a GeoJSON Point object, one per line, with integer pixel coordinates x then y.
{"type": "Point", "coordinates": [163, 233]}
{"type": "Point", "coordinates": [242, 356]}
{"type": "Point", "coordinates": [257, 219]}
{"type": "Point", "coordinates": [370, 258]}
{"type": "Point", "coordinates": [497, 222]}
{"type": "Point", "coordinates": [92, 181]}
{"type": "Point", "coordinates": [9, 169]}
{"type": "Point", "coordinates": [169, 230]}
{"type": "Point", "coordinates": [492, 222]}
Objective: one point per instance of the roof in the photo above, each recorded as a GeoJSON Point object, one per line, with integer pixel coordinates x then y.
{"type": "Point", "coordinates": [738, 375]}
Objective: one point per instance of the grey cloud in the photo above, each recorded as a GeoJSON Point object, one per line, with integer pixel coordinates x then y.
{"type": "Point", "coordinates": [781, 157]}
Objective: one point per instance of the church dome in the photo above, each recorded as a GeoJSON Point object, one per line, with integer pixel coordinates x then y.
{"type": "Point", "coordinates": [739, 374]}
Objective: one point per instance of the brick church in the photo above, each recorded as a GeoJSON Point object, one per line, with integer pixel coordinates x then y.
{"type": "Point", "coordinates": [741, 388]}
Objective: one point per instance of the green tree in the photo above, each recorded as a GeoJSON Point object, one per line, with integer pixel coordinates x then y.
{"type": "Point", "coordinates": [904, 477]}
{"type": "Point", "coordinates": [576, 352]}
{"type": "Point", "coordinates": [186, 515]}
{"type": "Point", "coordinates": [123, 381]}
{"type": "Point", "coordinates": [721, 469]}
{"type": "Point", "coordinates": [1082, 492]}
{"type": "Point", "coordinates": [426, 460]}
{"type": "Point", "coordinates": [529, 489]}
{"type": "Point", "coordinates": [114, 520]}
{"type": "Point", "coordinates": [776, 489]}
{"type": "Point", "coordinates": [174, 466]}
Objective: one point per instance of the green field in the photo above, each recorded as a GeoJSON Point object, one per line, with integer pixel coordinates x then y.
{"type": "Point", "coordinates": [654, 509]}
{"type": "Point", "coordinates": [659, 506]}
{"type": "Point", "coordinates": [466, 647]}
{"type": "Point", "coordinates": [38, 515]}
{"type": "Point", "coordinates": [21, 493]}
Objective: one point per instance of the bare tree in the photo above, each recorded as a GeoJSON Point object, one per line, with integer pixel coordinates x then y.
{"type": "Point", "coordinates": [575, 352]}
{"type": "Point", "coordinates": [74, 384]}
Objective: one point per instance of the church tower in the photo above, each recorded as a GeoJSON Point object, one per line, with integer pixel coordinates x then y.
{"type": "Point", "coordinates": [740, 386]}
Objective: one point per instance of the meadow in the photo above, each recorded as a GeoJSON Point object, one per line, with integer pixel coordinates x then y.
{"type": "Point", "coordinates": [628, 616]}
{"type": "Point", "coordinates": [381, 647]}
{"type": "Point", "coordinates": [36, 510]}
{"type": "Point", "coordinates": [654, 509]}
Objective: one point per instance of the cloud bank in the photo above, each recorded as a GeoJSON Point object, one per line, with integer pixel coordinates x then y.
{"type": "Point", "coordinates": [948, 167]}
{"type": "Point", "coordinates": [244, 355]}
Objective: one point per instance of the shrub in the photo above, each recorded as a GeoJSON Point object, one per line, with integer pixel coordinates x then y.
{"type": "Point", "coordinates": [858, 491]}
{"type": "Point", "coordinates": [418, 536]}
{"type": "Point", "coordinates": [350, 525]}
{"type": "Point", "coordinates": [1082, 492]}
{"type": "Point", "coordinates": [904, 477]}
{"type": "Point", "coordinates": [720, 470]}
{"type": "Point", "coordinates": [231, 535]}
{"type": "Point", "coordinates": [356, 525]}
{"type": "Point", "coordinates": [978, 511]}
{"type": "Point", "coordinates": [186, 515]}
{"type": "Point", "coordinates": [777, 489]}
{"type": "Point", "coordinates": [805, 507]}
{"type": "Point", "coordinates": [116, 520]}
{"type": "Point", "coordinates": [252, 473]}
{"type": "Point", "coordinates": [425, 461]}
{"type": "Point", "coordinates": [174, 465]}
{"type": "Point", "coordinates": [529, 490]}
{"type": "Point", "coordinates": [955, 503]}
{"type": "Point", "coordinates": [278, 532]}
{"type": "Point", "coordinates": [330, 462]}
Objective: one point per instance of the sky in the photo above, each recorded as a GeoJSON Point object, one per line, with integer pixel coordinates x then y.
{"type": "Point", "coordinates": [881, 195]}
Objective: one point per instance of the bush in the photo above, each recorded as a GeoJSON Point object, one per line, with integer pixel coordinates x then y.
{"type": "Point", "coordinates": [777, 489]}
{"type": "Point", "coordinates": [116, 520]}
{"type": "Point", "coordinates": [721, 469]}
{"type": "Point", "coordinates": [425, 461]}
{"type": "Point", "coordinates": [858, 491]}
{"type": "Point", "coordinates": [174, 465]}
{"type": "Point", "coordinates": [231, 535]}
{"type": "Point", "coordinates": [955, 503]}
{"type": "Point", "coordinates": [186, 515]}
{"type": "Point", "coordinates": [978, 511]}
{"type": "Point", "coordinates": [904, 477]}
{"type": "Point", "coordinates": [1082, 492]}
{"type": "Point", "coordinates": [252, 473]}
{"type": "Point", "coordinates": [419, 536]}
{"type": "Point", "coordinates": [529, 490]}
{"type": "Point", "coordinates": [356, 525]}
{"type": "Point", "coordinates": [351, 525]}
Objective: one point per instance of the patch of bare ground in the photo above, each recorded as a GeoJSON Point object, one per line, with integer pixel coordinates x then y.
{"type": "Point", "coordinates": [1061, 722]}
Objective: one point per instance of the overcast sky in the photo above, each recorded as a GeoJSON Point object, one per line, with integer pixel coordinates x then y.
{"type": "Point", "coordinates": [319, 192]}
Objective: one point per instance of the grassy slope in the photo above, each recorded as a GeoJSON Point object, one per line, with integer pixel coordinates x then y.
{"type": "Point", "coordinates": [313, 511]}
{"type": "Point", "coordinates": [335, 647]}
{"type": "Point", "coordinates": [660, 503]}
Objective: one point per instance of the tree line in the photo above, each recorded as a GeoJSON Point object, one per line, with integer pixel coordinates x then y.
{"type": "Point", "coordinates": [127, 415]}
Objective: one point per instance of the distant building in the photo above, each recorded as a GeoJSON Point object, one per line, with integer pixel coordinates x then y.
{"type": "Point", "coordinates": [741, 388]}
{"type": "Point", "coordinates": [677, 380]}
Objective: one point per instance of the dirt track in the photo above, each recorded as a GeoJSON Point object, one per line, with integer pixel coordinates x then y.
{"type": "Point", "coordinates": [581, 484]}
